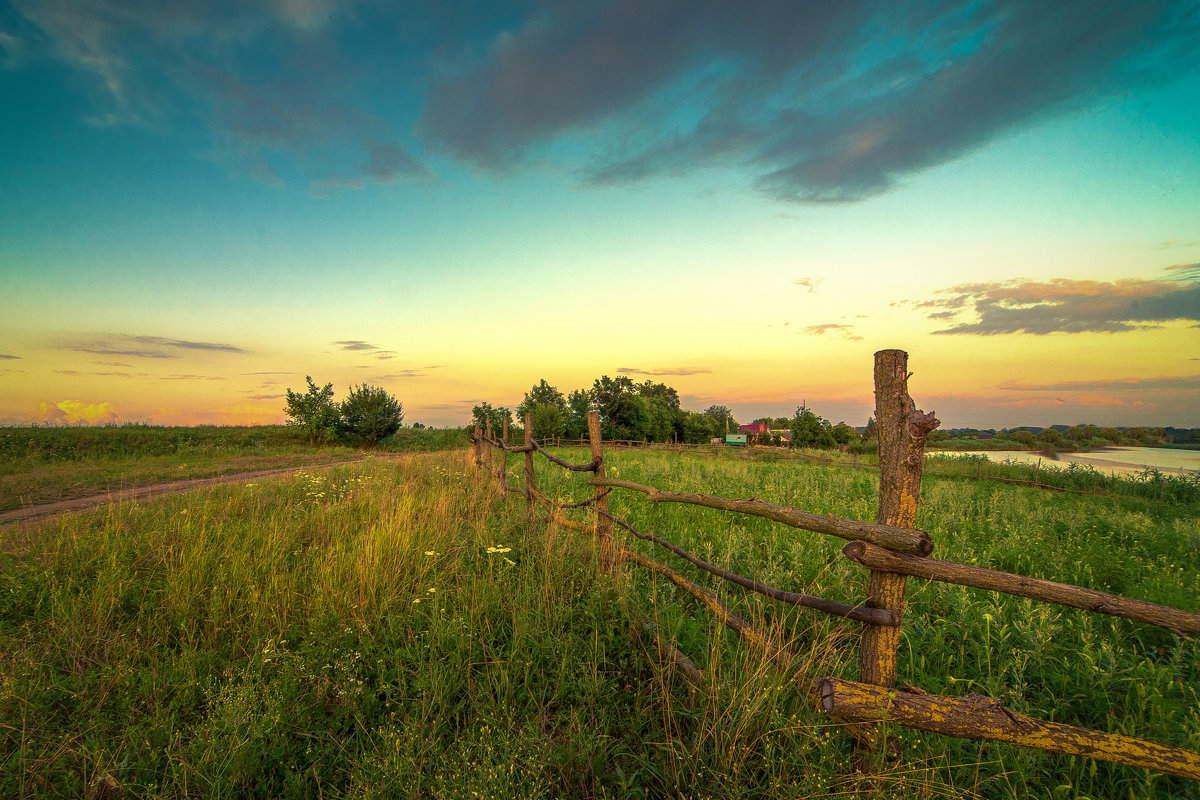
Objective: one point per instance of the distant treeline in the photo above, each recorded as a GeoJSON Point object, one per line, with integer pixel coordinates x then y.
{"type": "Point", "coordinates": [1064, 437]}
{"type": "Point", "coordinates": [650, 412]}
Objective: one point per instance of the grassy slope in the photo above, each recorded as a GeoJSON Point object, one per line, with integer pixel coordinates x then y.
{"type": "Point", "coordinates": [364, 632]}
{"type": "Point", "coordinates": [44, 465]}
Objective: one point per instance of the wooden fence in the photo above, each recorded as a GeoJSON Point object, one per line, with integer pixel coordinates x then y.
{"type": "Point", "coordinates": [892, 550]}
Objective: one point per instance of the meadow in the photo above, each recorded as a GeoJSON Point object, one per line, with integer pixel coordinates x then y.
{"type": "Point", "coordinates": [396, 627]}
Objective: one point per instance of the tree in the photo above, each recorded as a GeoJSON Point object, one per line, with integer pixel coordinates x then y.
{"type": "Point", "coordinates": [484, 413]}
{"type": "Point", "coordinates": [810, 430]}
{"type": "Point", "coordinates": [844, 434]}
{"type": "Point", "coordinates": [579, 403]}
{"type": "Point", "coordinates": [724, 419]}
{"type": "Point", "coordinates": [368, 414]}
{"type": "Point", "coordinates": [314, 411]}
{"type": "Point", "coordinates": [548, 408]}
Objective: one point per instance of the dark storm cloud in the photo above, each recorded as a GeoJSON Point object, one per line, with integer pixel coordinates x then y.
{"type": "Point", "coordinates": [1066, 306]}
{"type": "Point", "coordinates": [827, 102]}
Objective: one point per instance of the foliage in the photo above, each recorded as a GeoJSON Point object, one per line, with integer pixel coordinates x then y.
{"type": "Point", "coordinates": [483, 414]}
{"type": "Point", "coordinates": [548, 409]}
{"type": "Point", "coordinates": [368, 414]}
{"type": "Point", "coordinates": [314, 411]}
{"type": "Point", "coordinates": [275, 640]}
{"type": "Point", "coordinates": [810, 430]}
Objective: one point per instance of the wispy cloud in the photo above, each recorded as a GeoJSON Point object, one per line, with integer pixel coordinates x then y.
{"type": "Point", "coordinates": [356, 344]}
{"type": "Point", "coordinates": [359, 346]}
{"type": "Point", "coordinates": [677, 371]}
{"type": "Point", "coordinates": [1064, 306]}
{"type": "Point", "coordinates": [156, 347]}
{"type": "Point", "coordinates": [836, 329]}
{"type": "Point", "coordinates": [6, 357]}
{"type": "Point", "coordinates": [1182, 382]}
{"type": "Point", "coordinates": [809, 283]}
{"type": "Point", "coordinates": [160, 63]}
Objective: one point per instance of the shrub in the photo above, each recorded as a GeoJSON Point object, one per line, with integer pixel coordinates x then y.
{"type": "Point", "coordinates": [369, 414]}
{"type": "Point", "coordinates": [314, 411]}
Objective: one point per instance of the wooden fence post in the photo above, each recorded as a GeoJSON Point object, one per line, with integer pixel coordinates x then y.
{"type": "Point", "coordinates": [530, 486]}
{"type": "Point", "coordinates": [478, 446]}
{"type": "Point", "coordinates": [504, 458]}
{"type": "Point", "coordinates": [603, 526]}
{"type": "Point", "coordinates": [902, 431]}
{"type": "Point", "coordinates": [491, 458]}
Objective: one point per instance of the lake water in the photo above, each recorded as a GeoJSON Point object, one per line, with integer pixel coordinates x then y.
{"type": "Point", "coordinates": [1110, 459]}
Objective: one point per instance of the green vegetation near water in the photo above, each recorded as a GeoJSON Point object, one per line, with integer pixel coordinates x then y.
{"type": "Point", "coordinates": [397, 628]}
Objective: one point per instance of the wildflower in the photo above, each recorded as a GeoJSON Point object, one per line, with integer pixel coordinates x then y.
{"type": "Point", "coordinates": [495, 549]}
{"type": "Point", "coordinates": [431, 552]}
{"type": "Point", "coordinates": [431, 590]}
{"type": "Point", "coordinates": [416, 600]}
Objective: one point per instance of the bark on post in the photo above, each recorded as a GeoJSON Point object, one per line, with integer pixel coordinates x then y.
{"type": "Point", "coordinates": [530, 486]}
{"type": "Point", "coordinates": [491, 469]}
{"type": "Point", "coordinates": [478, 446]}
{"type": "Point", "coordinates": [978, 717]}
{"type": "Point", "coordinates": [603, 526]}
{"type": "Point", "coordinates": [902, 431]}
{"type": "Point", "coordinates": [504, 458]}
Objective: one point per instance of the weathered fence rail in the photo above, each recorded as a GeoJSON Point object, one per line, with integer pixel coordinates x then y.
{"type": "Point", "coordinates": [892, 550]}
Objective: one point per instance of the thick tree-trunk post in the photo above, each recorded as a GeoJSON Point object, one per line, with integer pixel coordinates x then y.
{"type": "Point", "coordinates": [603, 526]}
{"type": "Point", "coordinates": [902, 431]}
{"type": "Point", "coordinates": [530, 486]}
{"type": "Point", "coordinates": [478, 446]}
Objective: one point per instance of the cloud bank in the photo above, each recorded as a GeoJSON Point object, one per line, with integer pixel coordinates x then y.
{"type": "Point", "coordinates": [825, 102]}
{"type": "Point", "coordinates": [819, 102]}
{"type": "Point", "coordinates": [1064, 306]}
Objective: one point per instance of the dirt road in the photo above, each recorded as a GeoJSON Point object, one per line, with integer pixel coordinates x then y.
{"type": "Point", "coordinates": [158, 490]}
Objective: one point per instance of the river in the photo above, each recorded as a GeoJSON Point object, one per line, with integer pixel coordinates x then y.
{"type": "Point", "coordinates": [1108, 459]}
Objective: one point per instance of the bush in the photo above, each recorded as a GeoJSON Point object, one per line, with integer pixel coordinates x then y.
{"type": "Point", "coordinates": [369, 414]}
{"type": "Point", "coordinates": [314, 411]}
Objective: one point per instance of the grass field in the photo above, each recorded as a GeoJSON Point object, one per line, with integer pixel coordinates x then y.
{"type": "Point", "coordinates": [396, 628]}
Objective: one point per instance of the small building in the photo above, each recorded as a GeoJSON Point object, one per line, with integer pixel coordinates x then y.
{"type": "Point", "coordinates": [735, 439]}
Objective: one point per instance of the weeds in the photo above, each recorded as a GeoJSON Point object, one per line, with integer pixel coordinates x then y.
{"type": "Point", "coordinates": [397, 628]}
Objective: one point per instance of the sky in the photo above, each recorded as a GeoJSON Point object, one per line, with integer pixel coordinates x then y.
{"type": "Point", "coordinates": [203, 202]}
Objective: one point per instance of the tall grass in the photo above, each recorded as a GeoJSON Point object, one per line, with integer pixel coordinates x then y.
{"type": "Point", "coordinates": [397, 628]}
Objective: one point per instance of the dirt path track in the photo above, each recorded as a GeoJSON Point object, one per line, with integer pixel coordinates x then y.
{"type": "Point", "coordinates": [152, 490]}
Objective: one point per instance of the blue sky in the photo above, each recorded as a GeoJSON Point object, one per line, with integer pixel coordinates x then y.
{"type": "Point", "coordinates": [204, 202]}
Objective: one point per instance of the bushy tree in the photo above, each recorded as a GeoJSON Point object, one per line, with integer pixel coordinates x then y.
{"type": "Point", "coordinates": [485, 413]}
{"type": "Point", "coordinates": [810, 430]}
{"type": "Point", "coordinates": [724, 419]}
{"type": "Point", "coordinates": [314, 411]}
{"type": "Point", "coordinates": [369, 414]}
{"type": "Point", "coordinates": [579, 402]}
{"type": "Point", "coordinates": [549, 410]}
